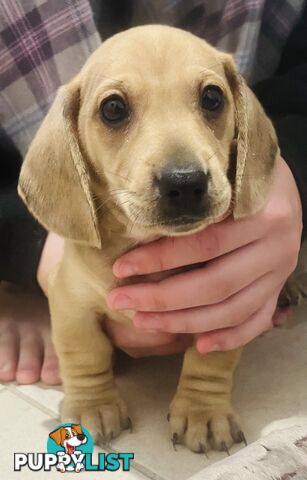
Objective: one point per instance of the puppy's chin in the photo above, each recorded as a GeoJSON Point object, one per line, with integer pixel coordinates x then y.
{"type": "Point", "coordinates": [146, 232]}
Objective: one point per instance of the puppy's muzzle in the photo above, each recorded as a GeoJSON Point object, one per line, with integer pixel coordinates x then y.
{"type": "Point", "coordinates": [183, 194]}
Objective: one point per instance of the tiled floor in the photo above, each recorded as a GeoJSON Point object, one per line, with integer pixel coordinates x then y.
{"type": "Point", "coordinates": [270, 392]}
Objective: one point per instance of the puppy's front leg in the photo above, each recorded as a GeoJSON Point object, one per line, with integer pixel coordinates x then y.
{"type": "Point", "coordinates": [201, 414]}
{"type": "Point", "coordinates": [85, 356]}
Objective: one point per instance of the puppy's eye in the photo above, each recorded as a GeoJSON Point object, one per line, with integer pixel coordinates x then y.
{"type": "Point", "coordinates": [113, 110]}
{"type": "Point", "coordinates": [67, 435]}
{"type": "Point", "coordinates": [212, 98]}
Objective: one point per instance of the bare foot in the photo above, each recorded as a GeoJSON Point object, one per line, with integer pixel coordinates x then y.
{"type": "Point", "coordinates": [26, 351]}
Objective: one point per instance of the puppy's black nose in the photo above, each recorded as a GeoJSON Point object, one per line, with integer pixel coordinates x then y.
{"type": "Point", "coordinates": [183, 191]}
{"type": "Point", "coordinates": [80, 437]}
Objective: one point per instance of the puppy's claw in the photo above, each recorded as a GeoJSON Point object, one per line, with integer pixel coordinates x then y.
{"type": "Point", "coordinates": [224, 448]}
{"type": "Point", "coordinates": [242, 438]}
{"type": "Point", "coordinates": [100, 440]}
{"type": "Point", "coordinates": [129, 425]}
{"type": "Point", "coordinates": [104, 440]}
{"type": "Point", "coordinates": [202, 449]}
{"type": "Point", "coordinates": [175, 441]}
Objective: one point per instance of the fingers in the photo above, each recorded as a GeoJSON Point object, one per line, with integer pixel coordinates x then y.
{"type": "Point", "coordinates": [169, 253]}
{"type": "Point", "coordinates": [231, 338]}
{"type": "Point", "coordinates": [9, 342]}
{"type": "Point", "coordinates": [230, 313]}
{"type": "Point", "coordinates": [30, 358]}
{"type": "Point", "coordinates": [215, 282]}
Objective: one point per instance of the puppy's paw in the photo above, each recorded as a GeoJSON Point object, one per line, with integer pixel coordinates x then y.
{"type": "Point", "coordinates": [201, 428]}
{"type": "Point", "coordinates": [104, 418]}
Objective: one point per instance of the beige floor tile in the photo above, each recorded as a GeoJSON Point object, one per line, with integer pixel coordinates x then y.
{"type": "Point", "coordinates": [270, 392]}
{"type": "Point", "coordinates": [148, 389]}
{"type": "Point", "coordinates": [48, 397]}
{"type": "Point", "coordinates": [24, 428]}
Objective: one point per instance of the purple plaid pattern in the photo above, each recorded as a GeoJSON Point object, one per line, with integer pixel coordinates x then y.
{"type": "Point", "coordinates": [44, 43]}
{"type": "Point", "coordinates": [254, 31]}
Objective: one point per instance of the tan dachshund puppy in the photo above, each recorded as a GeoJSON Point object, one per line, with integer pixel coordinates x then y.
{"type": "Point", "coordinates": [158, 135]}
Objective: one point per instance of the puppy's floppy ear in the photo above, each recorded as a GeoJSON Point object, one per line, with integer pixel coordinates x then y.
{"type": "Point", "coordinates": [256, 145]}
{"type": "Point", "coordinates": [57, 435]}
{"type": "Point", "coordinates": [54, 181]}
{"type": "Point", "coordinates": [77, 428]}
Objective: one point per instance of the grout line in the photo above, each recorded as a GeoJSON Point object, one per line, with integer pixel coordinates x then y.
{"type": "Point", "coordinates": [54, 415]}
{"type": "Point", "coordinates": [139, 467]}
{"type": "Point", "coordinates": [32, 402]}
{"type": "Point", "coordinates": [146, 471]}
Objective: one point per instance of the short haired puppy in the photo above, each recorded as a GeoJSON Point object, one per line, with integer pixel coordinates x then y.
{"type": "Point", "coordinates": [158, 135]}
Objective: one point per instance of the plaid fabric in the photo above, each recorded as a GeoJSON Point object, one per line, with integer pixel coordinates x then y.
{"type": "Point", "coordinates": [255, 31]}
{"type": "Point", "coordinates": [43, 43]}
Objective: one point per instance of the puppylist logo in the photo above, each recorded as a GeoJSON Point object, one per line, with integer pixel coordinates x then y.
{"type": "Point", "coordinates": [70, 449]}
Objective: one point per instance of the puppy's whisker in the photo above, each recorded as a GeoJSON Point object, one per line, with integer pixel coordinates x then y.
{"type": "Point", "coordinates": [127, 179]}
{"type": "Point", "coordinates": [104, 171]}
{"type": "Point", "coordinates": [211, 156]}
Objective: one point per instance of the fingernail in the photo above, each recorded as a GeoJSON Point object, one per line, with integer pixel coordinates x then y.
{"type": "Point", "coordinates": [122, 302]}
{"type": "Point", "coordinates": [213, 348]}
{"type": "Point", "coordinates": [151, 322]}
{"type": "Point", "coordinates": [203, 348]}
{"type": "Point", "coordinates": [124, 269]}
{"type": "Point", "coordinates": [152, 331]}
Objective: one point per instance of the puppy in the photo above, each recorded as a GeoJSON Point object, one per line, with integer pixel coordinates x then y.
{"type": "Point", "coordinates": [69, 438]}
{"type": "Point", "coordinates": [158, 135]}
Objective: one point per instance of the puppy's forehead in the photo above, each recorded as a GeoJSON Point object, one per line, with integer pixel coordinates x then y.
{"type": "Point", "coordinates": [152, 50]}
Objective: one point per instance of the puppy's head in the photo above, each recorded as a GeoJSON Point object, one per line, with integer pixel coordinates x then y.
{"type": "Point", "coordinates": [158, 127]}
{"type": "Point", "coordinates": [69, 437]}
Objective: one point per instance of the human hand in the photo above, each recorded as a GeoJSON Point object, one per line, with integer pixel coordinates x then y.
{"type": "Point", "coordinates": [131, 340]}
{"type": "Point", "coordinates": [233, 297]}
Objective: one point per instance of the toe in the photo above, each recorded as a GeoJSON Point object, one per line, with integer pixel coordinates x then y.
{"type": "Point", "coordinates": [30, 359]}
{"type": "Point", "coordinates": [236, 430]}
{"type": "Point", "coordinates": [9, 341]}
{"type": "Point", "coordinates": [91, 420]}
{"type": "Point", "coordinates": [50, 369]}
{"type": "Point", "coordinates": [178, 426]}
{"type": "Point", "coordinates": [111, 420]}
{"type": "Point", "coordinates": [196, 434]}
{"type": "Point", "coordinates": [220, 434]}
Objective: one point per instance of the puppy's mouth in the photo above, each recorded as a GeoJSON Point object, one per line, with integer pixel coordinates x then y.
{"type": "Point", "coordinates": [183, 223]}
{"type": "Point", "coordinates": [70, 449]}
